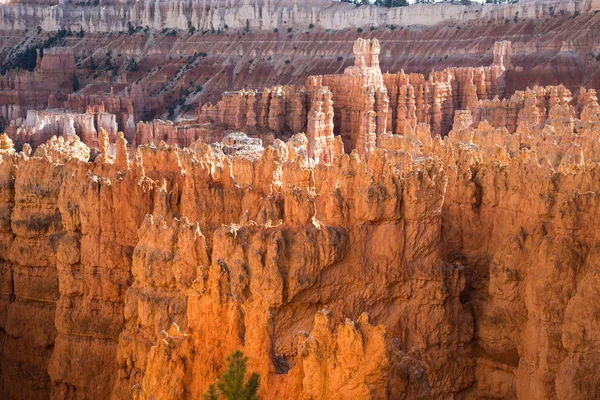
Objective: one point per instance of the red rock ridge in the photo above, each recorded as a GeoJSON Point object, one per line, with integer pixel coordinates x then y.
{"type": "Point", "coordinates": [245, 252]}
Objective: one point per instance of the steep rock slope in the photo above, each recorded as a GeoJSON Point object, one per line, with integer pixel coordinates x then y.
{"type": "Point", "coordinates": [155, 70]}
{"type": "Point", "coordinates": [473, 259]}
{"type": "Point", "coordinates": [415, 266]}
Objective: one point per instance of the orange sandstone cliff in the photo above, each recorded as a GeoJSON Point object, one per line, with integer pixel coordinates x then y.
{"type": "Point", "coordinates": [398, 235]}
{"type": "Point", "coordinates": [429, 268]}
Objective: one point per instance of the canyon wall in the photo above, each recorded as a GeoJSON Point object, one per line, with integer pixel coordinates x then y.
{"type": "Point", "coordinates": [142, 73]}
{"type": "Point", "coordinates": [119, 16]}
{"type": "Point", "coordinates": [362, 104]}
{"type": "Point", "coordinates": [429, 235]}
{"type": "Point", "coordinates": [354, 105]}
{"type": "Point", "coordinates": [360, 277]}
{"type": "Point", "coordinates": [21, 91]}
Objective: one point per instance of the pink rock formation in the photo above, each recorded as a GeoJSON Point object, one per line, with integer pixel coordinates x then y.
{"type": "Point", "coordinates": [279, 109]}
{"type": "Point", "coordinates": [21, 90]}
{"type": "Point", "coordinates": [152, 57]}
{"type": "Point", "coordinates": [360, 100]}
{"type": "Point", "coordinates": [502, 54]}
{"type": "Point", "coordinates": [366, 103]}
{"type": "Point", "coordinates": [121, 107]}
{"type": "Point", "coordinates": [244, 251]}
{"type": "Point", "coordinates": [182, 135]}
{"type": "Point", "coordinates": [416, 266]}
{"type": "Point", "coordinates": [40, 126]}
{"type": "Point", "coordinates": [320, 129]}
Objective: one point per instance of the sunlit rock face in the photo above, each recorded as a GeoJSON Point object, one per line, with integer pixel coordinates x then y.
{"type": "Point", "coordinates": [427, 268]}
{"type": "Point", "coordinates": [362, 104]}
{"type": "Point", "coordinates": [358, 235]}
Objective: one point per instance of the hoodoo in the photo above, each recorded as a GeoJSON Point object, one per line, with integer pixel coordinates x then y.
{"type": "Point", "coordinates": [341, 201]}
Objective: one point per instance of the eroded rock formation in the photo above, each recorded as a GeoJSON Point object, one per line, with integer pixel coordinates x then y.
{"type": "Point", "coordinates": [40, 126]}
{"type": "Point", "coordinates": [362, 104]}
{"type": "Point", "coordinates": [392, 236]}
{"type": "Point", "coordinates": [21, 90]}
{"type": "Point", "coordinates": [154, 269]}
{"type": "Point", "coordinates": [141, 61]}
{"type": "Point", "coordinates": [256, 14]}
{"type": "Point", "coordinates": [278, 109]}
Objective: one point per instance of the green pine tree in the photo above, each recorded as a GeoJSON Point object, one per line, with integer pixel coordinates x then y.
{"type": "Point", "coordinates": [232, 385]}
{"type": "Point", "coordinates": [251, 388]}
{"type": "Point", "coordinates": [211, 393]}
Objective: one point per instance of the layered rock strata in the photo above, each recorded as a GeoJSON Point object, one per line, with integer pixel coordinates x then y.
{"type": "Point", "coordinates": [553, 42]}
{"type": "Point", "coordinates": [362, 104]}
{"type": "Point", "coordinates": [21, 90]}
{"type": "Point", "coordinates": [153, 269]}
{"type": "Point", "coordinates": [117, 16]}
{"type": "Point", "coordinates": [278, 109]}
{"type": "Point", "coordinates": [39, 126]}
